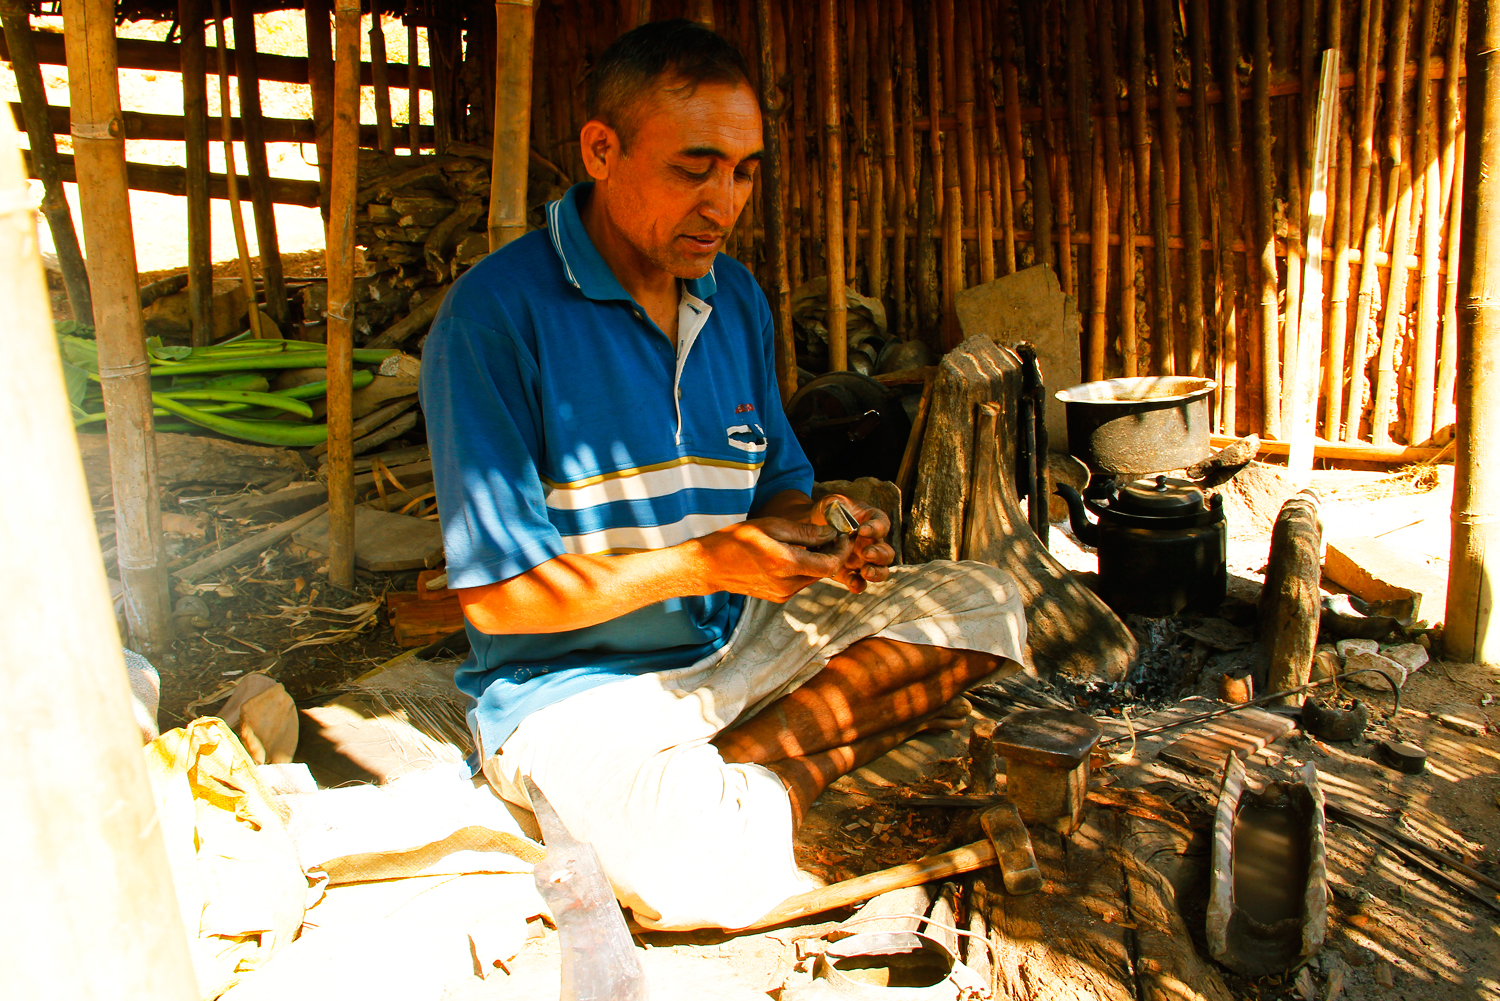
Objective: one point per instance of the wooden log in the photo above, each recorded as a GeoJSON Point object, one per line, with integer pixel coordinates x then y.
{"type": "Point", "coordinates": [775, 201]}
{"type": "Point", "coordinates": [200, 269]}
{"type": "Point", "coordinates": [119, 329]}
{"type": "Point", "coordinates": [1428, 168]}
{"type": "Point", "coordinates": [98, 849]}
{"type": "Point", "coordinates": [1396, 455]}
{"type": "Point", "coordinates": [16, 18]}
{"type": "Point", "coordinates": [1290, 603]}
{"type": "Point", "coordinates": [1469, 635]}
{"type": "Point", "coordinates": [256, 165]}
{"type": "Point", "coordinates": [236, 217]}
{"type": "Point", "coordinates": [340, 271]}
{"type": "Point", "coordinates": [1452, 172]}
{"type": "Point", "coordinates": [413, 92]}
{"type": "Point", "coordinates": [1399, 195]}
{"type": "Point", "coordinates": [1129, 347]}
{"type": "Point", "coordinates": [514, 31]}
{"type": "Point", "coordinates": [386, 137]}
{"type": "Point", "coordinates": [1265, 186]}
{"type": "Point", "coordinates": [833, 184]}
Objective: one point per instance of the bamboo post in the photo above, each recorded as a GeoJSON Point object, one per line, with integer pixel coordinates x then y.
{"type": "Point", "coordinates": [833, 184]}
{"type": "Point", "coordinates": [1424, 361]}
{"type": "Point", "coordinates": [231, 178]}
{"type": "Point", "coordinates": [801, 176]}
{"type": "Point", "coordinates": [956, 180]}
{"type": "Point", "coordinates": [514, 32]}
{"type": "Point", "coordinates": [252, 127]}
{"type": "Point", "coordinates": [1228, 307]}
{"type": "Point", "coordinates": [1129, 347]}
{"type": "Point", "coordinates": [1364, 310]}
{"type": "Point", "coordinates": [1034, 28]}
{"type": "Point", "coordinates": [978, 210]}
{"type": "Point", "coordinates": [1011, 94]}
{"type": "Point", "coordinates": [317, 16]}
{"type": "Point", "coordinates": [1080, 123]}
{"type": "Point", "coordinates": [702, 11]}
{"type": "Point", "coordinates": [1192, 259]}
{"type": "Point", "coordinates": [413, 92]}
{"type": "Point", "coordinates": [1163, 354]}
{"type": "Point", "coordinates": [1265, 231]}
{"type": "Point", "coordinates": [84, 838]}
{"type": "Point", "coordinates": [104, 201]}
{"type": "Point", "coordinates": [1098, 337]}
{"type": "Point", "coordinates": [1304, 377]}
{"type": "Point", "coordinates": [1398, 191]}
{"type": "Point", "coordinates": [1166, 94]}
{"type": "Point", "coordinates": [1065, 219]}
{"type": "Point", "coordinates": [195, 143]}
{"type": "Point", "coordinates": [1468, 635]}
{"type": "Point", "coordinates": [883, 171]}
{"type": "Point", "coordinates": [936, 137]}
{"type": "Point", "coordinates": [16, 17]}
{"type": "Point", "coordinates": [1136, 87]}
{"type": "Point", "coordinates": [385, 135]}
{"type": "Point", "coordinates": [906, 189]}
{"type": "Point", "coordinates": [775, 200]}
{"type": "Point", "coordinates": [1104, 34]}
{"type": "Point", "coordinates": [340, 270]}
{"type": "Point", "coordinates": [1453, 173]}
{"type": "Point", "coordinates": [1372, 37]}
{"type": "Point", "coordinates": [1338, 312]}
{"type": "Point", "coordinates": [1234, 150]}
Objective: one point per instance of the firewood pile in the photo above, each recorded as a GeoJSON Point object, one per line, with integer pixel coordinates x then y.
{"type": "Point", "coordinates": [422, 222]}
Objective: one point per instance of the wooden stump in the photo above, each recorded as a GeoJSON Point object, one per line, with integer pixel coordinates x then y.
{"type": "Point", "coordinates": [1290, 603]}
{"type": "Point", "coordinates": [957, 514]}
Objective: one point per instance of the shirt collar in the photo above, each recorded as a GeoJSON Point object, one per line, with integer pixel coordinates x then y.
{"type": "Point", "coordinates": [581, 262]}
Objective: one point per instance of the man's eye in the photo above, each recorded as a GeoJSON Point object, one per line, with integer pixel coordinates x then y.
{"type": "Point", "coordinates": [694, 175]}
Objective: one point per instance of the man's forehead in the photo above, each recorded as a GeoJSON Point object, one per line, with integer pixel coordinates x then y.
{"type": "Point", "coordinates": [711, 119]}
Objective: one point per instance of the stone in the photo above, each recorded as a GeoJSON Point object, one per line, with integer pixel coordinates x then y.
{"type": "Point", "coordinates": [1291, 601]}
{"type": "Point", "coordinates": [1326, 662]}
{"type": "Point", "coordinates": [1030, 306]}
{"type": "Point", "coordinates": [1386, 578]}
{"type": "Point", "coordinates": [1363, 660]}
{"type": "Point", "coordinates": [1409, 655]}
{"type": "Point", "coordinates": [169, 315]}
{"type": "Point", "coordinates": [1346, 647]}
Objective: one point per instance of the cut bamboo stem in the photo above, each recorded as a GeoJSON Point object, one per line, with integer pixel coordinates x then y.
{"type": "Point", "coordinates": [1398, 210]}
{"type": "Point", "coordinates": [1136, 87]}
{"type": "Point", "coordinates": [256, 166]}
{"type": "Point", "coordinates": [1098, 322]}
{"type": "Point", "coordinates": [775, 201]}
{"type": "Point", "coordinates": [340, 270]}
{"type": "Point", "coordinates": [1129, 344]}
{"type": "Point", "coordinates": [833, 184]}
{"type": "Point", "coordinates": [16, 18]}
{"type": "Point", "coordinates": [1372, 39]}
{"type": "Point", "coordinates": [385, 135]}
{"type": "Point", "coordinates": [1338, 313]}
{"type": "Point", "coordinates": [1453, 173]}
{"type": "Point", "coordinates": [1080, 124]}
{"type": "Point", "coordinates": [1265, 187]}
{"type": "Point", "coordinates": [514, 33]}
{"type": "Point", "coordinates": [200, 267]}
{"type": "Point", "coordinates": [1364, 311]}
{"type": "Point", "coordinates": [236, 210]}
{"type": "Point", "coordinates": [1011, 94]}
{"type": "Point", "coordinates": [1424, 360]}
{"type": "Point", "coordinates": [108, 234]}
{"type": "Point", "coordinates": [413, 92]}
{"type": "Point", "coordinates": [1192, 258]}
{"type": "Point", "coordinates": [883, 171]}
{"type": "Point", "coordinates": [1104, 34]}
{"type": "Point", "coordinates": [318, 20]}
{"type": "Point", "coordinates": [1044, 152]}
{"type": "Point", "coordinates": [906, 187]}
{"type": "Point", "coordinates": [1166, 88]}
{"type": "Point", "coordinates": [1163, 348]}
{"type": "Point", "coordinates": [1228, 307]}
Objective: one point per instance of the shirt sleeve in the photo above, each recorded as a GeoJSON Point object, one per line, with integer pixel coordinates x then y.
{"type": "Point", "coordinates": [479, 395]}
{"type": "Point", "coordinates": [786, 466]}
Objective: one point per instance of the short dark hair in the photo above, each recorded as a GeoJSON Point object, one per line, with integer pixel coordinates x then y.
{"type": "Point", "coordinates": [634, 62]}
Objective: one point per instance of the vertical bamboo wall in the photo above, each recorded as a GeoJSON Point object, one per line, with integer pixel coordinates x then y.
{"type": "Point", "coordinates": [1117, 122]}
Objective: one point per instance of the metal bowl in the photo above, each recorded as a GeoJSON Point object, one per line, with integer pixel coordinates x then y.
{"type": "Point", "coordinates": [1148, 424]}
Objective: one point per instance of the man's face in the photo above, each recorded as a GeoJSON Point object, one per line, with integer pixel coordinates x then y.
{"type": "Point", "coordinates": [690, 167]}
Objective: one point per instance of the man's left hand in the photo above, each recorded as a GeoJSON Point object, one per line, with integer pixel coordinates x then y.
{"type": "Point", "coordinates": [867, 554]}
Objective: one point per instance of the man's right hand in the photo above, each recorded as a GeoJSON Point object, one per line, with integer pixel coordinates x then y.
{"type": "Point", "coordinates": [769, 558]}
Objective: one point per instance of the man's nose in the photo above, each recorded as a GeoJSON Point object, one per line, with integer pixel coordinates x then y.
{"type": "Point", "coordinates": [718, 205]}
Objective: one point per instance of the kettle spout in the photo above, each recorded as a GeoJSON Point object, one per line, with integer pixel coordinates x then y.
{"type": "Point", "coordinates": [1087, 531]}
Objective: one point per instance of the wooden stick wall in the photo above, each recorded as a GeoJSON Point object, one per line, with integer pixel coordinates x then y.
{"type": "Point", "coordinates": [1105, 124]}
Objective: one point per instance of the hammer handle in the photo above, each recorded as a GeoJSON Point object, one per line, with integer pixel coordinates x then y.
{"type": "Point", "coordinates": [978, 855]}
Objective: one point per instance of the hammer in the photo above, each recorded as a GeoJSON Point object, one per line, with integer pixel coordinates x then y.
{"type": "Point", "coordinates": [1006, 842]}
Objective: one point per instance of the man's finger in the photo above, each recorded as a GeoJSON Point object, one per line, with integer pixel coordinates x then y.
{"type": "Point", "coordinates": [798, 533]}
{"type": "Point", "coordinates": [878, 553]}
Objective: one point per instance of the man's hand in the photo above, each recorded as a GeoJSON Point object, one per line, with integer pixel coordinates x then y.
{"type": "Point", "coordinates": [769, 558]}
{"type": "Point", "coordinates": [866, 556]}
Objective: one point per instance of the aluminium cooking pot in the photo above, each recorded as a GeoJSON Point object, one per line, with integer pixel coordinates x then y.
{"type": "Point", "coordinates": [1147, 424]}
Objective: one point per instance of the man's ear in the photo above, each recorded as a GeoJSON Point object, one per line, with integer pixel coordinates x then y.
{"type": "Point", "coordinates": [600, 146]}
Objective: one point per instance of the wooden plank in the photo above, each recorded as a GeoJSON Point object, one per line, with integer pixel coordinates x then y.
{"type": "Point", "coordinates": [417, 620]}
{"type": "Point", "coordinates": [143, 125]}
{"type": "Point", "coordinates": [382, 541]}
{"type": "Point", "coordinates": [173, 181]}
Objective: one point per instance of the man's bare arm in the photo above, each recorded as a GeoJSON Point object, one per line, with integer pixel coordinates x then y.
{"type": "Point", "coordinates": [762, 558]}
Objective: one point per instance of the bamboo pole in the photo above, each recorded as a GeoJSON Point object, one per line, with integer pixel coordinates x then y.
{"type": "Point", "coordinates": [514, 33]}
{"type": "Point", "coordinates": [702, 11]}
{"type": "Point", "coordinates": [1080, 124]}
{"type": "Point", "coordinates": [1163, 354]}
{"type": "Point", "coordinates": [385, 135]}
{"type": "Point", "coordinates": [231, 179]}
{"type": "Point", "coordinates": [340, 270]}
{"type": "Point", "coordinates": [1104, 34]}
{"type": "Point", "coordinates": [775, 201]}
{"type": "Point", "coordinates": [1136, 87]}
{"type": "Point", "coordinates": [1034, 28]}
{"type": "Point", "coordinates": [16, 18]}
{"type": "Point", "coordinates": [413, 92]}
{"type": "Point", "coordinates": [1192, 258]}
{"type": "Point", "coordinates": [801, 179]}
{"type": "Point", "coordinates": [1129, 346]}
{"type": "Point", "coordinates": [1399, 193]}
{"type": "Point", "coordinates": [1468, 635]}
{"type": "Point", "coordinates": [1429, 170]}
{"type": "Point", "coordinates": [1063, 179]}
{"type": "Point", "coordinates": [833, 183]}
{"type": "Point", "coordinates": [883, 170]}
{"type": "Point", "coordinates": [1011, 94]}
{"type": "Point", "coordinates": [318, 18]}
{"type": "Point", "coordinates": [1166, 86]}
{"type": "Point", "coordinates": [195, 146]}
{"type": "Point", "coordinates": [906, 188]}
{"type": "Point", "coordinates": [1372, 38]}
{"type": "Point", "coordinates": [1458, 14]}
{"type": "Point", "coordinates": [1364, 311]}
{"type": "Point", "coordinates": [256, 166]}
{"type": "Point", "coordinates": [990, 197]}
{"type": "Point", "coordinates": [954, 197]}
{"type": "Point", "coordinates": [1265, 185]}
{"type": "Point", "coordinates": [1453, 173]}
{"type": "Point", "coordinates": [1007, 216]}
{"type": "Point", "coordinates": [1098, 335]}
{"type": "Point", "coordinates": [1198, 66]}
{"type": "Point", "coordinates": [84, 838]}
{"type": "Point", "coordinates": [1291, 313]}
{"type": "Point", "coordinates": [978, 210]}
{"type": "Point", "coordinates": [1228, 306]}
{"type": "Point", "coordinates": [1338, 313]}
{"type": "Point", "coordinates": [109, 240]}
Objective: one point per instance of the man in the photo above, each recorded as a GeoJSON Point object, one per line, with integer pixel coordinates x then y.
{"type": "Point", "coordinates": [668, 639]}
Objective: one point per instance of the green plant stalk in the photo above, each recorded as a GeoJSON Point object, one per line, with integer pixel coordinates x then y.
{"type": "Point", "coordinates": [272, 400]}
{"type": "Point", "coordinates": [212, 408]}
{"type": "Point", "coordinates": [283, 359]}
{"type": "Point", "coordinates": [247, 381]}
{"type": "Point", "coordinates": [313, 390]}
{"type": "Point", "coordinates": [282, 433]}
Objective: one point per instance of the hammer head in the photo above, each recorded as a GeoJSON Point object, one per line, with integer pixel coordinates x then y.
{"type": "Point", "coordinates": [1002, 825]}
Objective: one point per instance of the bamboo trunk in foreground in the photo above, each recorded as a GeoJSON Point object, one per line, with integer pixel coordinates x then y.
{"type": "Point", "coordinates": [340, 269]}
{"type": "Point", "coordinates": [833, 184]}
{"type": "Point", "coordinates": [1265, 187]}
{"type": "Point", "coordinates": [195, 142]}
{"type": "Point", "coordinates": [1469, 634]}
{"type": "Point", "coordinates": [385, 135]}
{"type": "Point", "coordinates": [775, 198]}
{"type": "Point", "coordinates": [318, 16]}
{"type": "Point", "coordinates": [256, 166]}
{"type": "Point", "coordinates": [108, 236]}
{"type": "Point", "coordinates": [514, 32]}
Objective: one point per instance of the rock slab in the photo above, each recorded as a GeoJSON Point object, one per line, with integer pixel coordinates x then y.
{"type": "Point", "coordinates": [1291, 602]}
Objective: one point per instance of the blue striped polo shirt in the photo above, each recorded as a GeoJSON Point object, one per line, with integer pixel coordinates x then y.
{"type": "Point", "coordinates": [562, 420]}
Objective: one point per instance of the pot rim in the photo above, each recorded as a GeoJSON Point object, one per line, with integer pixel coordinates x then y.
{"type": "Point", "coordinates": [1123, 392]}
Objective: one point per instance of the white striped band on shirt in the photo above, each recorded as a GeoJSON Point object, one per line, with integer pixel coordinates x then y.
{"type": "Point", "coordinates": [649, 482]}
{"type": "Point", "coordinates": [615, 541]}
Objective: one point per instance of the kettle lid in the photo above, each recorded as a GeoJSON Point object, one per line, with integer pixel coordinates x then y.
{"type": "Point", "coordinates": [1159, 497]}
